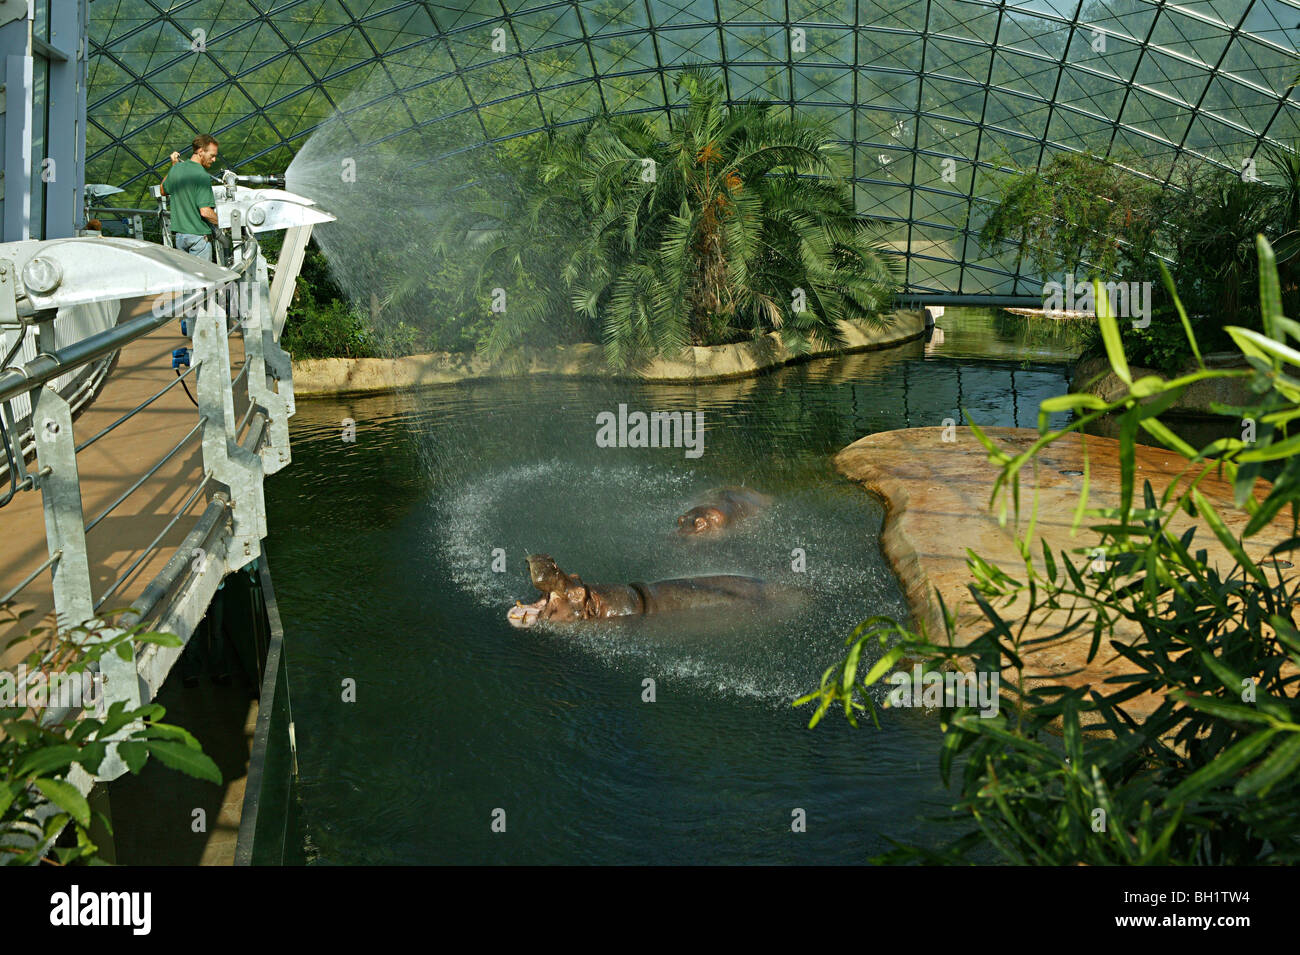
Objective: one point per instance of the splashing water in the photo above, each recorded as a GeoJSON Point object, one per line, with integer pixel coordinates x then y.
{"type": "Point", "coordinates": [622, 529]}
{"type": "Point", "coordinates": [393, 180]}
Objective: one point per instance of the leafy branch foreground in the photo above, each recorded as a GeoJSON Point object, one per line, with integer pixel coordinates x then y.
{"type": "Point", "coordinates": [1066, 775]}
{"type": "Point", "coordinates": [39, 747]}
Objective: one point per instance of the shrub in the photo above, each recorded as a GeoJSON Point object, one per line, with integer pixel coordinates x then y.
{"type": "Point", "coordinates": [36, 754]}
{"type": "Point", "coordinates": [1210, 776]}
{"type": "Point", "coordinates": [732, 223]}
{"type": "Point", "coordinates": [1094, 216]}
{"type": "Point", "coordinates": [334, 329]}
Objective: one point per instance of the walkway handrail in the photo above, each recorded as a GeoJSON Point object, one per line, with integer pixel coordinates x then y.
{"type": "Point", "coordinates": [233, 469]}
{"type": "Point", "coordinates": [227, 532]}
{"type": "Point", "coordinates": [49, 365]}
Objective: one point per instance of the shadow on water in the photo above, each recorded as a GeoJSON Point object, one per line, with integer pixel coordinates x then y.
{"type": "Point", "coordinates": [384, 554]}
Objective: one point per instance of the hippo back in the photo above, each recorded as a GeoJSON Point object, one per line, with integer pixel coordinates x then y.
{"type": "Point", "coordinates": [742, 502]}
{"type": "Point", "coordinates": [691, 593]}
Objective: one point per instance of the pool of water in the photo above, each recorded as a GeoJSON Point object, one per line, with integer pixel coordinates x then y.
{"type": "Point", "coordinates": [397, 555]}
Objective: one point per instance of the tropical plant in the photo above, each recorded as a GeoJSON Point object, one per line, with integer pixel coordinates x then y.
{"type": "Point", "coordinates": [1099, 217]}
{"type": "Point", "coordinates": [734, 223]}
{"type": "Point", "coordinates": [1210, 776]}
{"type": "Point", "coordinates": [1072, 211]}
{"type": "Point", "coordinates": [39, 746]}
{"type": "Point", "coordinates": [1209, 229]}
{"type": "Point", "coordinates": [1213, 225]}
{"type": "Point", "coordinates": [330, 329]}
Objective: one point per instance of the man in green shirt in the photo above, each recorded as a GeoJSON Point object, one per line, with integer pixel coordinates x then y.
{"type": "Point", "coordinates": [193, 207]}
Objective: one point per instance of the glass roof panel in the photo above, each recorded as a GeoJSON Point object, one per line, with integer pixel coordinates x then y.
{"type": "Point", "coordinates": [933, 98]}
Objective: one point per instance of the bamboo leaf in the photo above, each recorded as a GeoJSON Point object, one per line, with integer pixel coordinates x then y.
{"type": "Point", "coordinates": [883, 665]}
{"type": "Point", "coordinates": [1226, 538]}
{"type": "Point", "coordinates": [1270, 289]}
{"type": "Point", "coordinates": [1221, 708]}
{"type": "Point", "coordinates": [1261, 346]}
{"type": "Point", "coordinates": [1271, 452]}
{"type": "Point", "coordinates": [1182, 312]}
{"type": "Point", "coordinates": [1281, 764]}
{"type": "Point", "coordinates": [1081, 507]}
{"type": "Point", "coordinates": [1223, 766]}
{"type": "Point", "coordinates": [1110, 334]}
{"type": "Point", "coordinates": [66, 797]}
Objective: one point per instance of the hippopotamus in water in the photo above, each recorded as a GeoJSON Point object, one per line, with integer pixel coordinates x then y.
{"type": "Point", "coordinates": [567, 598]}
{"type": "Point", "coordinates": [727, 507]}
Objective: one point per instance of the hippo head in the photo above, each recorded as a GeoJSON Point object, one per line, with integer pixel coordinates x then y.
{"type": "Point", "coordinates": [565, 596]}
{"type": "Point", "coordinates": [705, 519]}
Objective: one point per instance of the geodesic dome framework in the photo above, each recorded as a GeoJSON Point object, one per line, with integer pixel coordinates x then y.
{"type": "Point", "coordinates": [935, 99]}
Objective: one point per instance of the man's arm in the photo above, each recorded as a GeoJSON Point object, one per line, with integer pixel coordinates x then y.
{"type": "Point", "coordinates": [175, 157]}
{"type": "Point", "coordinates": [208, 212]}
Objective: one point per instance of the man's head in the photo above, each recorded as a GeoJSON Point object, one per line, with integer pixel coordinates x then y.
{"type": "Point", "coordinates": [205, 150]}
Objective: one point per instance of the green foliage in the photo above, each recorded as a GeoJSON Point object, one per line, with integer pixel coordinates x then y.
{"type": "Point", "coordinates": [1072, 211]}
{"type": "Point", "coordinates": [1098, 217]}
{"type": "Point", "coordinates": [1063, 775]}
{"type": "Point", "coordinates": [1032, 332]}
{"type": "Point", "coordinates": [39, 747]}
{"type": "Point", "coordinates": [1162, 344]}
{"type": "Point", "coordinates": [734, 223]}
{"type": "Point", "coordinates": [334, 329]}
{"type": "Point", "coordinates": [1213, 225]}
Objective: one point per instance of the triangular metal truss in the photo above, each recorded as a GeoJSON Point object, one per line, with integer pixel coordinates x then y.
{"type": "Point", "coordinates": [934, 98]}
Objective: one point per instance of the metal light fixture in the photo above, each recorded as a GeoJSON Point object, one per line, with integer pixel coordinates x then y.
{"type": "Point", "coordinates": [58, 273]}
{"type": "Point", "coordinates": [268, 210]}
{"type": "Point", "coordinates": [42, 275]}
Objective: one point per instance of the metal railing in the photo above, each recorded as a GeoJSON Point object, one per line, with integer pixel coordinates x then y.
{"type": "Point", "coordinates": [227, 532]}
{"type": "Point", "coordinates": [132, 221]}
{"type": "Point", "coordinates": [44, 282]}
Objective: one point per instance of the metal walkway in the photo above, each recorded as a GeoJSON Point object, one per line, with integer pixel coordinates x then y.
{"type": "Point", "coordinates": [143, 497]}
{"type": "Point", "coordinates": [164, 508]}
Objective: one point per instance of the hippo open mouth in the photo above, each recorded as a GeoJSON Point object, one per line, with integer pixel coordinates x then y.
{"type": "Point", "coordinates": [526, 615]}
{"type": "Point", "coordinates": [566, 598]}
{"type": "Point", "coordinates": [701, 520]}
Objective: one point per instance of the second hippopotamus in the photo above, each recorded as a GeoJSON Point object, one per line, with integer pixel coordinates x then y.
{"type": "Point", "coordinates": [566, 597]}
{"type": "Point", "coordinates": [725, 508]}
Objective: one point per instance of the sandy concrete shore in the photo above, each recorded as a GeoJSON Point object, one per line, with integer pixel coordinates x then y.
{"type": "Point", "coordinates": [343, 376]}
{"type": "Point", "coordinates": [937, 496]}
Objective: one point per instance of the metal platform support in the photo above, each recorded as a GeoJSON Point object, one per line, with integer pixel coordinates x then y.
{"type": "Point", "coordinates": [223, 458]}
{"type": "Point", "coordinates": [268, 363]}
{"type": "Point", "coordinates": [286, 273]}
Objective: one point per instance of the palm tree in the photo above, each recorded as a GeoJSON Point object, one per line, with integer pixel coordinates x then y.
{"type": "Point", "coordinates": [736, 223]}
{"type": "Point", "coordinates": [1216, 218]}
